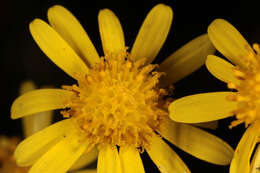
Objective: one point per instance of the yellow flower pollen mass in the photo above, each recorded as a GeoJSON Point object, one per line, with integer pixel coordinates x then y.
{"type": "Point", "coordinates": [248, 95]}
{"type": "Point", "coordinates": [118, 102]}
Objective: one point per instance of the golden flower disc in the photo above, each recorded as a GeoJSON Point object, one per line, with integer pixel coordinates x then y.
{"type": "Point", "coordinates": [118, 102]}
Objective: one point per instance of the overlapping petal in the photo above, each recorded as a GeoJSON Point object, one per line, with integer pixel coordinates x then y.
{"type": "Point", "coordinates": [227, 39]}
{"type": "Point", "coordinates": [57, 49]}
{"type": "Point", "coordinates": [69, 149]}
{"type": "Point", "coordinates": [131, 160]}
{"type": "Point", "coordinates": [221, 69]}
{"type": "Point", "coordinates": [202, 107]}
{"type": "Point", "coordinates": [164, 157]}
{"type": "Point", "coordinates": [108, 160]}
{"type": "Point", "coordinates": [186, 60]}
{"type": "Point", "coordinates": [35, 122]}
{"type": "Point", "coordinates": [85, 159]}
{"type": "Point", "coordinates": [152, 33]}
{"type": "Point", "coordinates": [73, 33]}
{"type": "Point", "coordinates": [33, 147]}
{"type": "Point", "coordinates": [197, 142]}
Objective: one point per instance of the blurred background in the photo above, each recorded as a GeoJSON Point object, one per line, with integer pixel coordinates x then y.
{"type": "Point", "coordinates": [21, 59]}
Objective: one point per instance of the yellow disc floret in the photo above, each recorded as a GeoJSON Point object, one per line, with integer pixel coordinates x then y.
{"type": "Point", "coordinates": [118, 102]}
{"type": "Point", "coordinates": [248, 95]}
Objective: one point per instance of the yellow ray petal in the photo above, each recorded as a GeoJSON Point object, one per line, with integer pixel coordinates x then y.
{"type": "Point", "coordinates": [131, 160]}
{"type": "Point", "coordinates": [227, 39]}
{"type": "Point", "coordinates": [39, 101]}
{"type": "Point", "coordinates": [152, 33]}
{"type": "Point", "coordinates": [164, 157]}
{"type": "Point", "coordinates": [108, 160]}
{"type": "Point", "coordinates": [255, 165]}
{"type": "Point", "coordinates": [86, 171]}
{"type": "Point", "coordinates": [208, 125]}
{"type": "Point", "coordinates": [85, 159]}
{"type": "Point", "coordinates": [221, 69]}
{"type": "Point", "coordinates": [202, 107]}
{"type": "Point", "coordinates": [197, 142]}
{"type": "Point", "coordinates": [186, 60]}
{"type": "Point", "coordinates": [111, 32]}
{"type": "Point", "coordinates": [63, 21]}
{"type": "Point", "coordinates": [57, 49]}
{"type": "Point", "coordinates": [29, 150]}
{"type": "Point", "coordinates": [241, 160]}
{"type": "Point", "coordinates": [61, 156]}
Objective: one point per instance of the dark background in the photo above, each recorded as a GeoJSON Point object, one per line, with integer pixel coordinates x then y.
{"type": "Point", "coordinates": [21, 58]}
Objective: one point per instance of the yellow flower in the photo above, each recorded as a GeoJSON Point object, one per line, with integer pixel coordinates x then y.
{"type": "Point", "coordinates": [117, 102]}
{"type": "Point", "coordinates": [244, 77]}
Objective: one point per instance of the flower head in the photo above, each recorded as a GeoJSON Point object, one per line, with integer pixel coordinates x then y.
{"type": "Point", "coordinates": [118, 101]}
{"type": "Point", "coordinates": [243, 78]}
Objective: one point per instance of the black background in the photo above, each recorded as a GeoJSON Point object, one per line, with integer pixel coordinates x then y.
{"type": "Point", "coordinates": [21, 58]}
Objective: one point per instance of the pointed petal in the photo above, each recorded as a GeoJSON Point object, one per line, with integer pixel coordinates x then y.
{"type": "Point", "coordinates": [111, 32]}
{"type": "Point", "coordinates": [61, 156]}
{"type": "Point", "coordinates": [208, 125]}
{"type": "Point", "coordinates": [57, 49]}
{"type": "Point", "coordinates": [164, 157]}
{"type": "Point", "coordinates": [152, 33]}
{"type": "Point", "coordinates": [202, 107]}
{"type": "Point", "coordinates": [241, 160]}
{"type": "Point", "coordinates": [227, 39]}
{"type": "Point", "coordinates": [38, 101]}
{"type": "Point", "coordinates": [85, 159]}
{"type": "Point", "coordinates": [186, 60]}
{"type": "Point", "coordinates": [108, 160]}
{"type": "Point", "coordinates": [86, 171]}
{"type": "Point", "coordinates": [29, 150]}
{"type": "Point", "coordinates": [221, 69]}
{"type": "Point", "coordinates": [131, 160]}
{"type": "Point", "coordinates": [197, 142]}
{"type": "Point", "coordinates": [69, 28]}
{"type": "Point", "coordinates": [255, 164]}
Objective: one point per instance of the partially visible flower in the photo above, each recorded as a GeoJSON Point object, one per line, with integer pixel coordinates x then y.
{"type": "Point", "coordinates": [118, 101]}
{"type": "Point", "coordinates": [7, 162]}
{"type": "Point", "coordinates": [244, 102]}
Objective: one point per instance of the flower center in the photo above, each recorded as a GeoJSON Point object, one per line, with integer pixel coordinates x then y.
{"type": "Point", "coordinates": [248, 95]}
{"type": "Point", "coordinates": [118, 102]}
